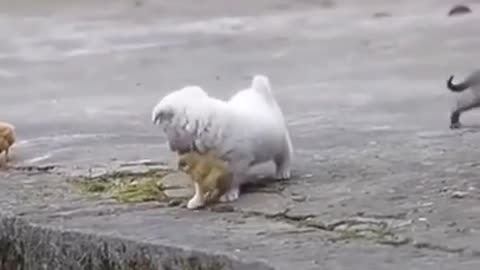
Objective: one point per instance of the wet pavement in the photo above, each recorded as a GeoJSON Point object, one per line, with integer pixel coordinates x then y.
{"type": "Point", "coordinates": [364, 96]}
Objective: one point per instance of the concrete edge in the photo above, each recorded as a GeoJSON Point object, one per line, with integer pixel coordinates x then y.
{"type": "Point", "coordinates": [24, 245]}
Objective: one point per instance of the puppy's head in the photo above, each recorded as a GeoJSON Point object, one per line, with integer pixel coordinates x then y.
{"type": "Point", "coordinates": [175, 103]}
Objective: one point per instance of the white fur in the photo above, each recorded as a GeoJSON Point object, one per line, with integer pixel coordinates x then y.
{"type": "Point", "coordinates": [197, 200]}
{"type": "Point", "coordinates": [247, 130]}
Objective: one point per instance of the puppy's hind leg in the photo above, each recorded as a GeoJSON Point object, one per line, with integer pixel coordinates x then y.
{"type": "Point", "coordinates": [239, 172]}
{"type": "Point", "coordinates": [283, 160]}
{"type": "Point", "coordinates": [461, 108]}
{"type": "Point", "coordinates": [233, 192]}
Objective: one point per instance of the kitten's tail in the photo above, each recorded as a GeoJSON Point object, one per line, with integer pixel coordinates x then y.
{"type": "Point", "coordinates": [457, 87]}
{"type": "Point", "coordinates": [261, 84]}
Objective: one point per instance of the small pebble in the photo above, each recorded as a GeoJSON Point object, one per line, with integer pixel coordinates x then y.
{"type": "Point", "coordinates": [298, 197]}
{"type": "Point", "coordinates": [459, 195]}
{"type": "Point", "coordinates": [381, 14]}
{"type": "Point", "coordinates": [452, 224]}
{"type": "Point", "coordinates": [327, 3]}
{"type": "Point", "coordinates": [425, 221]}
{"type": "Point", "coordinates": [462, 230]}
{"type": "Point", "coordinates": [459, 10]}
{"type": "Point", "coordinates": [444, 189]}
{"type": "Point", "coordinates": [427, 204]}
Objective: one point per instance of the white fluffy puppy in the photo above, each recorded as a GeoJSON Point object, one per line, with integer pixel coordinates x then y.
{"type": "Point", "coordinates": [247, 130]}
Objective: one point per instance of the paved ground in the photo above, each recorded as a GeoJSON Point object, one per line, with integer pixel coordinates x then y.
{"type": "Point", "coordinates": [364, 96]}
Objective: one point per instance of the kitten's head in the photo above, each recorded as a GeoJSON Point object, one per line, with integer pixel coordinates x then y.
{"type": "Point", "coordinates": [187, 161]}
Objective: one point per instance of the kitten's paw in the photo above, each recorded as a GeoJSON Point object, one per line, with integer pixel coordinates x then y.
{"type": "Point", "coordinates": [456, 125]}
{"type": "Point", "coordinates": [232, 195]}
{"type": "Point", "coordinates": [194, 203]}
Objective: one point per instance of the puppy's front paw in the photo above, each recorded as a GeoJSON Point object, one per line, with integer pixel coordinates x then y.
{"type": "Point", "coordinates": [232, 195]}
{"type": "Point", "coordinates": [282, 174]}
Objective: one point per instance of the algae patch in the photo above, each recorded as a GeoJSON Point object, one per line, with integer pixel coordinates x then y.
{"type": "Point", "coordinates": [125, 186]}
{"type": "Point", "coordinates": [376, 231]}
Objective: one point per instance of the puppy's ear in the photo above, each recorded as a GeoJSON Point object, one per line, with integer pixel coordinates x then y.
{"type": "Point", "coordinates": [161, 116]}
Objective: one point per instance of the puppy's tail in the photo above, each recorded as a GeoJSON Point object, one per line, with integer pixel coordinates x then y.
{"type": "Point", "coordinates": [457, 87]}
{"type": "Point", "coordinates": [261, 84]}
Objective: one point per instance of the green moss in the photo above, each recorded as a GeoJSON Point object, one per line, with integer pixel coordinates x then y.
{"type": "Point", "coordinates": [379, 236]}
{"type": "Point", "coordinates": [139, 191]}
{"type": "Point", "coordinates": [125, 186]}
{"type": "Point", "coordinates": [93, 186]}
{"type": "Point", "coordinates": [348, 235]}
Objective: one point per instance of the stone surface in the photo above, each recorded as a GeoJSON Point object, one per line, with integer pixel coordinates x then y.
{"type": "Point", "coordinates": [269, 204]}
{"type": "Point", "coordinates": [365, 100]}
{"type": "Point", "coordinates": [177, 185]}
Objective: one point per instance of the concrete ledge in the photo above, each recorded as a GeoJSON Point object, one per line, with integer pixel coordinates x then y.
{"type": "Point", "coordinates": [381, 182]}
{"type": "Point", "coordinates": [30, 246]}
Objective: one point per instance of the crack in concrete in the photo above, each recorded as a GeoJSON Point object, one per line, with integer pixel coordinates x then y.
{"type": "Point", "coordinates": [353, 228]}
{"type": "Point", "coordinates": [435, 247]}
